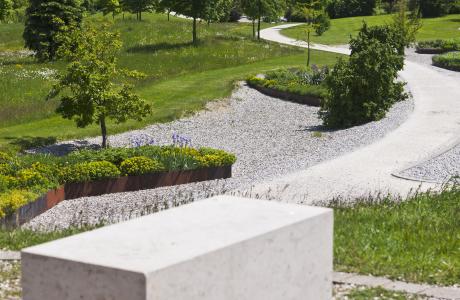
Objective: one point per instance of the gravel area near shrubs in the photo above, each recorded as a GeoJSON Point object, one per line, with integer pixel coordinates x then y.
{"type": "Point", "coordinates": [270, 137]}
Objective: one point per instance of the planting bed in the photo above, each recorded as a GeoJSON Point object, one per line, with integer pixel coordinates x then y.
{"type": "Point", "coordinates": [449, 61]}
{"type": "Point", "coordinates": [437, 46]}
{"type": "Point", "coordinates": [304, 86]}
{"type": "Point", "coordinates": [32, 184]}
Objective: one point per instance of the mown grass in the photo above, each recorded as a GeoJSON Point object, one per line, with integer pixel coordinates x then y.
{"type": "Point", "coordinates": [181, 78]}
{"type": "Point", "coordinates": [417, 240]}
{"type": "Point", "coordinates": [450, 61]}
{"type": "Point", "coordinates": [341, 29]}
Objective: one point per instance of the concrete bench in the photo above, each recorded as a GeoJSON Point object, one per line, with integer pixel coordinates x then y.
{"type": "Point", "coordinates": [223, 248]}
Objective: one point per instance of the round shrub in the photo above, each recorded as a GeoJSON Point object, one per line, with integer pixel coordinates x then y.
{"type": "Point", "coordinates": [140, 165]}
{"type": "Point", "coordinates": [6, 183]}
{"type": "Point", "coordinates": [12, 200]}
{"type": "Point", "coordinates": [5, 157]}
{"type": "Point", "coordinates": [89, 171]}
{"type": "Point", "coordinates": [31, 178]}
{"type": "Point", "coordinates": [215, 158]}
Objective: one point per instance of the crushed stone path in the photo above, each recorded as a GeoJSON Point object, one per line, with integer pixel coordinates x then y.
{"type": "Point", "coordinates": [368, 171]}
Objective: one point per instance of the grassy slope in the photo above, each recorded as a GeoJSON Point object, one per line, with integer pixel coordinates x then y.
{"type": "Point", "coordinates": [181, 78]}
{"type": "Point", "coordinates": [341, 29]}
{"type": "Point", "coordinates": [417, 240]}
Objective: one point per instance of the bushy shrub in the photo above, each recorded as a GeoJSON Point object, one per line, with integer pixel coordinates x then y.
{"type": "Point", "coordinates": [434, 8]}
{"type": "Point", "coordinates": [365, 87]}
{"type": "Point", "coordinates": [89, 171]}
{"type": "Point", "coordinates": [439, 45]}
{"type": "Point", "coordinates": [450, 61]}
{"type": "Point", "coordinates": [140, 165]}
{"type": "Point", "coordinates": [14, 199]}
{"type": "Point", "coordinates": [113, 155]}
{"type": "Point", "coordinates": [29, 178]}
{"type": "Point", "coordinates": [322, 23]}
{"type": "Point", "coordinates": [216, 158]}
{"type": "Point", "coordinates": [6, 183]}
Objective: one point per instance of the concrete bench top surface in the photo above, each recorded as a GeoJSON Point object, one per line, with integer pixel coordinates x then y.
{"type": "Point", "coordinates": [180, 234]}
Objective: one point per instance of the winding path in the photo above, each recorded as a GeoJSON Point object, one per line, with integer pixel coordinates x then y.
{"type": "Point", "coordinates": [434, 124]}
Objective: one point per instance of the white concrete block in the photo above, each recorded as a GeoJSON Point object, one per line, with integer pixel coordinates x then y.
{"type": "Point", "coordinates": [224, 248]}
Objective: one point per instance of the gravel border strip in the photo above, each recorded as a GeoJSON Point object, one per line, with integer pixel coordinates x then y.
{"type": "Point", "coordinates": [443, 150]}
{"type": "Point", "coordinates": [10, 255]}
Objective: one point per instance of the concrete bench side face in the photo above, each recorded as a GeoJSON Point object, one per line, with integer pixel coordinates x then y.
{"type": "Point", "coordinates": [291, 263]}
{"type": "Point", "coordinates": [56, 279]}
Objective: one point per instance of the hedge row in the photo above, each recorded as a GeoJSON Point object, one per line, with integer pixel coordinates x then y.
{"type": "Point", "coordinates": [23, 178]}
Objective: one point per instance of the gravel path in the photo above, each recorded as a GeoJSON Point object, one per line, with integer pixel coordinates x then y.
{"type": "Point", "coordinates": [270, 137]}
{"type": "Point", "coordinates": [368, 171]}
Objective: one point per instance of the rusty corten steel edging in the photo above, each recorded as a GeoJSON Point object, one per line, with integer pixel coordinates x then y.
{"type": "Point", "coordinates": [117, 185]}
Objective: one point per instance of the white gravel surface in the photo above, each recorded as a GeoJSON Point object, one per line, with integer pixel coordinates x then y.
{"type": "Point", "coordinates": [440, 169]}
{"type": "Point", "coordinates": [270, 137]}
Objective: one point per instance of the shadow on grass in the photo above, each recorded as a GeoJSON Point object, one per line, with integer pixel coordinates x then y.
{"type": "Point", "coordinates": [29, 142]}
{"type": "Point", "coordinates": [152, 48]}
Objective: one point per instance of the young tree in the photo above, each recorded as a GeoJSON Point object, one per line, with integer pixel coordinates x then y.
{"type": "Point", "coordinates": [5, 9]}
{"type": "Point", "coordinates": [110, 7]}
{"type": "Point", "coordinates": [139, 6]}
{"type": "Point", "coordinates": [257, 9]}
{"type": "Point", "coordinates": [45, 21]}
{"type": "Point", "coordinates": [218, 10]}
{"type": "Point", "coordinates": [166, 6]}
{"type": "Point", "coordinates": [92, 89]}
{"type": "Point", "coordinates": [195, 9]}
{"type": "Point", "coordinates": [250, 9]}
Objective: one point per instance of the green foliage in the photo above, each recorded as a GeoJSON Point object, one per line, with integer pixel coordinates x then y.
{"type": "Point", "coordinates": [110, 7]}
{"type": "Point", "coordinates": [45, 21]}
{"type": "Point", "coordinates": [6, 7]}
{"type": "Point", "coordinates": [140, 165]}
{"type": "Point", "coordinates": [12, 200]}
{"type": "Point", "coordinates": [90, 89]}
{"type": "Point", "coordinates": [216, 157]}
{"type": "Point", "coordinates": [432, 8]}
{"type": "Point", "coordinates": [364, 88]}
{"type": "Point", "coordinates": [439, 45]}
{"type": "Point", "coordinates": [135, 6]}
{"type": "Point", "coordinates": [30, 178]}
{"type": "Point", "coordinates": [350, 8]}
{"type": "Point", "coordinates": [415, 240]}
{"type": "Point", "coordinates": [450, 61]}
{"type": "Point", "coordinates": [90, 171]}
{"type": "Point", "coordinates": [300, 81]}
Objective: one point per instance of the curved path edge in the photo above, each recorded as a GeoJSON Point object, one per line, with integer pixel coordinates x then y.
{"type": "Point", "coordinates": [367, 172]}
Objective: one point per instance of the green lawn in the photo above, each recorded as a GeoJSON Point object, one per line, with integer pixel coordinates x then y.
{"type": "Point", "coordinates": [416, 240]}
{"type": "Point", "coordinates": [181, 77]}
{"type": "Point", "coordinates": [341, 29]}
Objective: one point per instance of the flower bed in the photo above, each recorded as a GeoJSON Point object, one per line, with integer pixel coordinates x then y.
{"type": "Point", "coordinates": [305, 86]}
{"type": "Point", "coordinates": [31, 184]}
{"type": "Point", "coordinates": [450, 61]}
{"type": "Point", "coordinates": [437, 46]}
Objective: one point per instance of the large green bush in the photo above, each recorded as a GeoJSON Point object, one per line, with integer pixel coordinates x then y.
{"type": "Point", "coordinates": [350, 8]}
{"type": "Point", "coordinates": [14, 199]}
{"type": "Point", "coordinates": [364, 88]}
{"type": "Point", "coordinates": [140, 165]}
{"type": "Point", "coordinates": [450, 61]}
{"type": "Point", "coordinates": [433, 8]}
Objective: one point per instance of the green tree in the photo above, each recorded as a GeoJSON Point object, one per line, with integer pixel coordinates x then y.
{"type": "Point", "coordinates": [257, 9]}
{"type": "Point", "coordinates": [92, 89]}
{"type": "Point", "coordinates": [110, 7]}
{"type": "Point", "coordinates": [5, 9]}
{"type": "Point", "coordinates": [139, 6]}
{"type": "Point", "coordinates": [45, 21]}
{"type": "Point", "coordinates": [432, 8]}
{"type": "Point", "coordinates": [250, 9]}
{"type": "Point", "coordinates": [365, 87]}
{"type": "Point", "coordinates": [195, 9]}
{"type": "Point", "coordinates": [218, 10]}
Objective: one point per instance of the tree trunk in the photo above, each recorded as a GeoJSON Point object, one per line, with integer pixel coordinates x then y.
{"type": "Point", "coordinates": [308, 42]}
{"type": "Point", "coordinates": [258, 29]}
{"type": "Point", "coordinates": [140, 15]}
{"type": "Point", "coordinates": [103, 131]}
{"type": "Point", "coordinates": [169, 13]}
{"type": "Point", "coordinates": [195, 39]}
{"type": "Point", "coordinates": [253, 28]}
